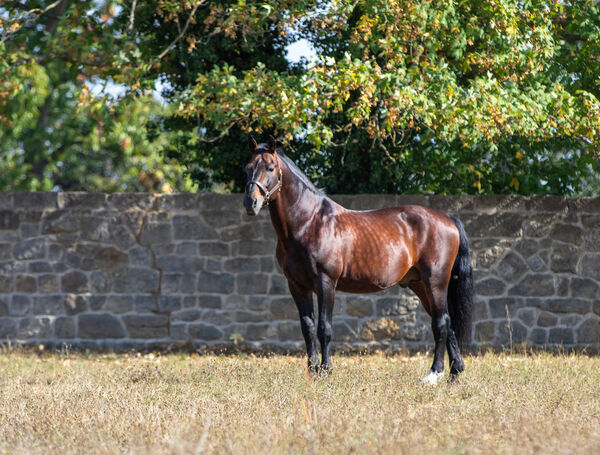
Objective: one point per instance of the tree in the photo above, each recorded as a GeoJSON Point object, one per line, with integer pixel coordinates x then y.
{"type": "Point", "coordinates": [484, 96]}
{"type": "Point", "coordinates": [447, 97]}
{"type": "Point", "coordinates": [54, 132]}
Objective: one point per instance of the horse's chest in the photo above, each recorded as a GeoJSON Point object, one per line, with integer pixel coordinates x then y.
{"type": "Point", "coordinates": [297, 265]}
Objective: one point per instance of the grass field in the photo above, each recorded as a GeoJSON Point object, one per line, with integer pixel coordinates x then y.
{"type": "Point", "coordinates": [181, 403]}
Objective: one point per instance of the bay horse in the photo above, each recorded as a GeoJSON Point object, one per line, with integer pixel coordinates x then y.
{"type": "Point", "coordinates": [323, 247]}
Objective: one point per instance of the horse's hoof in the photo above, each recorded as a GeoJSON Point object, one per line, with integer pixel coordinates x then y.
{"type": "Point", "coordinates": [432, 378]}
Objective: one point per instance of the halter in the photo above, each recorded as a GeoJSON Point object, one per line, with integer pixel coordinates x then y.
{"type": "Point", "coordinates": [263, 190]}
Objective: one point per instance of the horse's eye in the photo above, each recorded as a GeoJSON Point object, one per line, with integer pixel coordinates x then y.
{"type": "Point", "coordinates": [270, 169]}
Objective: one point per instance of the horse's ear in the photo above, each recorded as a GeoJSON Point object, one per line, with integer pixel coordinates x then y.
{"type": "Point", "coordinates": [252, 144]}
{"type": "Point", "coordinates": [271, 144]}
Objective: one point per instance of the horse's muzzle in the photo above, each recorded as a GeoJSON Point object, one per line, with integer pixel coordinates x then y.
{"type": "Point", "coordinates": [252, 205]}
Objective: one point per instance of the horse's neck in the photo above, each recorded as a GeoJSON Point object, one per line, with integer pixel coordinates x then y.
{"type": "Point", "coordinates": [293, 209]}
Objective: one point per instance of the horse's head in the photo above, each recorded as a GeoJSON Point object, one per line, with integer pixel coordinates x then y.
{"type": "Point", "coordinates": [264, 176]}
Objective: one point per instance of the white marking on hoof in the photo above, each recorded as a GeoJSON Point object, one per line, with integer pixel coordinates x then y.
{"type": "Point", "coordinates": [432, 378]}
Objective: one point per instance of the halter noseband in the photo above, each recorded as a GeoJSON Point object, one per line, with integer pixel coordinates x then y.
{"type": "Point", "coordinates": [268, 193]}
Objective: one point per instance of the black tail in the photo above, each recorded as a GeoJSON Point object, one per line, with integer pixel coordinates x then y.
{"type": "Point", "coordinates": [460, 291]}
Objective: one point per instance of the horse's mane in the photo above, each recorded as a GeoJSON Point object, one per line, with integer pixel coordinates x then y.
{"type": "Point", "coordinates": [297, 172]}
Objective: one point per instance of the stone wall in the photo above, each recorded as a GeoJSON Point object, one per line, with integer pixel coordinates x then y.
{"type": "Point", "coordinates": [137, 270]}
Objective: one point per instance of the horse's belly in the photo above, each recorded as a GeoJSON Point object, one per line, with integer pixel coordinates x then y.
{"type": "Point", "coordinates": [365, 284]}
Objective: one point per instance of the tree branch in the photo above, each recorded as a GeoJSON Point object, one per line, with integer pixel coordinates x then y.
{"type": "Point", "coordinates": [185, 27]}
{"type": "Point", "coordinates": [132, 16]}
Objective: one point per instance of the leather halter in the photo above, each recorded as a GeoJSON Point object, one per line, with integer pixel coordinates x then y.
{"type": "Point", "coordinates": [268, 193]}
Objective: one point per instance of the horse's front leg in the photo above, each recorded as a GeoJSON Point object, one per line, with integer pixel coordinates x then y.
{"type": "Point", "coordinates": [326, 298]}
{"type": "Point", "coordinates": [304, 303]}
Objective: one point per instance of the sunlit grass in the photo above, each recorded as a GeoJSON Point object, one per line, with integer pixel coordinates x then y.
{"type": "Point", "coordinates": [180, 403]}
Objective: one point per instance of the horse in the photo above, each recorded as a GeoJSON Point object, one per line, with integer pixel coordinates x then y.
{"type": "Point", "coordinates": [323, 247]}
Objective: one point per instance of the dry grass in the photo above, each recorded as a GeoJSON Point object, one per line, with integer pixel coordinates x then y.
{"type": "Point", "coordinates": [57, 403]}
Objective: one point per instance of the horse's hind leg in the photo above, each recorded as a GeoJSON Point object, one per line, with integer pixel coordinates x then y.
{"type": "Point", "coordinates": [433, 298]}
{"type": "Point", "coordinates": [304, 302]}
{"type": "Point", "coordinates": [457, 365]}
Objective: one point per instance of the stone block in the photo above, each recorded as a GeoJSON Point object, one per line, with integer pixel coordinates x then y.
{"type": "Point", "coordinates": [48, 304]}
{"type": "Point", "coordinates": [278, 285]}
{"type": "Point", "coordinates": [35, 200]}
{"type": "Point", "coordinates": [209, 301]}
{"type": "Point", "coordinates": [489, 286]}
{"type": "Point", "coordinates": [256, 248]}
{"type": "Point", "coordinates": [505, 330]}
{"type": "Point", "coordinates": [171, 263]}
{"type": "Point", "coordinates": [6, 201]}
{"type": "Point", "coordinates": [147, 325]}
{"type": "Point", "coordinates": [25, 283]}
{"type": "Point", "coordinates": [561, 336]}
{"type": "Point", "coordinates": [204, 332]}
{"type": "Point", "coordinates": [6, 283]}
{"type": "Point", "coordinates": [192, 227]}
{"type": "Point", "coordinates": [76, 304]}
{"type": "Point", "coordinates": [5, 251]}
{"type": "Point", "coordinates": [536, 284]}
{"type": "Point", "coordinates": [380, 329]}
{"type": "Point", "coordinates": [48, 284]}
{"type": "Point", "coordinates": [498, 307]}
{"type": "Point", "coordinates": [538, 336]}
{"type": "Point", "coordinates": [178, 331]}
{"type": "Point", "coordinates": [393, 306]}
{"type": "Point", "coordinates": [590, 266]}
{"type": "Point", "coordinates": [64, 328]}
{"type": "Point", "coordinates": [145, 304]}
{"type": "Point", "coordinates": [135, 279]}
{"type": "Point", "coordinates": [60, 221]}
{"type": "Point", "coordinates": [222, 283]}
{"type": "Point", "coordinates": [284, 308]}
{"type": "Point", "coordinates": [140, 256]}
{"type": "Point", "coordinates": [289, 331]}
{"type": "Point", "coordinates": [251, 316]}
{"type": "Point", "coordinates": [29, 230]}
{"type": "Point", "coordinates": [257, 332]}
{"type": "Point", "coordinates": [19, 305]}
{"type": "Point", "coordinates": [186, 249]}
{"type": "Point", "coordinates": [568, 306]}
{"type": "Point", "coordinates": [512, 267]}
{"type": "Point", "coordinates": [131, 201]}
{"type": "Point", "coordinates": [167, 303]}
{"type": "Point", "coordinates": [82, 200]}
{"type": "Point", "coordinates": [567, 233]}
{"type": "Point", "coordinates": [8, 328]}
{"type": "Point", "coordinates": [118, 303]}
{"type": "Point", "coordinates": [527, 316]}
{"type": "Point", "coordinates": [341, 332]}
{"type": "Point", "coordinates": [75, 282]}
{"type": "Point", "coordinates": [213, 249]}
{"type": "Point", "coordinates": [100, 282]}
{"type": "Point", "coordinates": [99, 326]}
{"type": "Point", "coordinates": [496, 225]}
{"type": "Point", "coordinates": [192, 314]}
{"type": "Point", "coordinates": [564, 258]}
{"type": "Point", "coordinates": [222, 217]}
{"type": "Point", "coordinates": [155, 233]}
{"type": "Point", "coordinates": [589, 332]}
{"type": "Point", "coordinates": [592, 240]}
{"type": "Point", "coordinates": [30, 249]}
{"type": "Point", "coordinates": [361, 306]}
{"type": "Point", "coordinates": [4, 306]}
{"type": "Point", "coordinates": [242, 264]}
{"type": "Point", "coordinates": [546, 319]}
{"type": "Point", "coordinates": [40, 327]}
{"type": "Point", "coordinates": [217, 317]}
{"type": "Point", "coordinates": [252, 283]}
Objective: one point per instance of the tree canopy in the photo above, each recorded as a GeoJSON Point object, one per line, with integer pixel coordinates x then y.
{"type": "Point", "coordinates": [478, 96]}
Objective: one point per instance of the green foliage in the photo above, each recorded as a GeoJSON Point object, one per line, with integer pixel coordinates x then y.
{"type": "Point", "coordinates": [486, 96]}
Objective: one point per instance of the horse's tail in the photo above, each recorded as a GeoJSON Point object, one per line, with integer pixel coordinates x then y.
{"type": "Point", "coordinates": [460, 291]}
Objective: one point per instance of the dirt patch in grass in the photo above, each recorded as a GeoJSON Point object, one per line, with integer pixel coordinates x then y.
{"type": "Point", "coordinates": [181, 403]}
